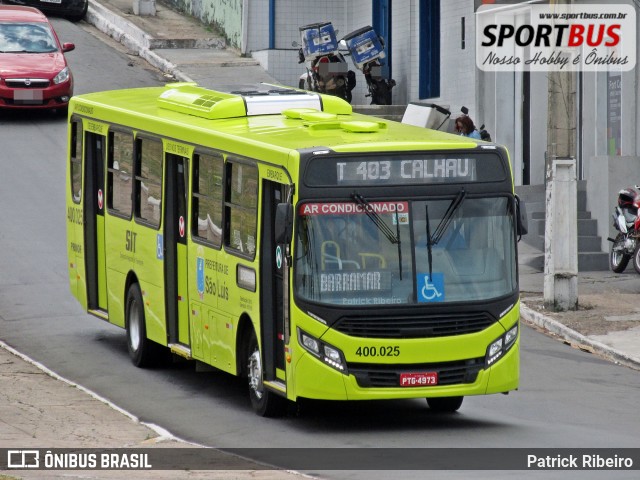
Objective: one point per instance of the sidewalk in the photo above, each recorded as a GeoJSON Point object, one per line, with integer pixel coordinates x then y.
{"type": "Point", "coordinates": [39, 409]}
{"type": "Point", "coordinates": [607, 322]}
{"type": "Point", "coordinates": [178, 45]}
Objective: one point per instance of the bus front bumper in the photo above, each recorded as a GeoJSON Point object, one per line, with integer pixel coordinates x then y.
{"type": "Point", "coordinates": [315, 380]}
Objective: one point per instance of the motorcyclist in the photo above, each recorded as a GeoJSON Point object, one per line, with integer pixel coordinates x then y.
{"type": "Point", "coordinates": [466, 127]}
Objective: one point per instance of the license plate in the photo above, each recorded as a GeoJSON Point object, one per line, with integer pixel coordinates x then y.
{"type": "Point", "coordinates": [423, 379]}
{"type": "Point", "coordinates": [28, 96]}
{"type": "Point", "coordinates": [51, 1]}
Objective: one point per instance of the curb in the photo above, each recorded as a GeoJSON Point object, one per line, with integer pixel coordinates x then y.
{"type": "Point", "coordinates": [577, 339]}
{"type": "Point", "coordinates": [131, 37]}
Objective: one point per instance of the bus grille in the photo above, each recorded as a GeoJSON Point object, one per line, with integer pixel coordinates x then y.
{"type": "Point", "coordinates": [423, 326]}
{"type": "Point", "coordinates": [449, 373]}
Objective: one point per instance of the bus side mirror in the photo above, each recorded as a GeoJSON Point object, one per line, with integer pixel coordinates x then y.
{"type": "Point", "coordinates": [284, 223]}
{"type": "Point", "coordinates": [522, 225]}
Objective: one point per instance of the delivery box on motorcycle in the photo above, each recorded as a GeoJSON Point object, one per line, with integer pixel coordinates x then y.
{"type": "Point", "coordinates": [318, 39]}
{"type": "Point", "coordinates": [364, 46]}
{"type": "Point", "coordinates": [428, 115]}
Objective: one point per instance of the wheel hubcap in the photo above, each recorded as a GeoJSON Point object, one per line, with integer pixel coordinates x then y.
{"type": "Point", "coordinates": [255, 373]}
{"type": "Point", "coordinates": [616, 258]}
{"type": "Point", "coordinates": [134, 326]}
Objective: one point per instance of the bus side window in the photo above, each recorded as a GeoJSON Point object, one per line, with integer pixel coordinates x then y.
{"type": "Point", "coordinates": [207, 198]}
{"type": "Point", "coordinates": [76, 161]}
{"type": "Point", "coordinates": [119, 173]}
{"type": "Point", "coordinates": [241, 207]}
{"type": "Point", "coordinates": [148, 186]}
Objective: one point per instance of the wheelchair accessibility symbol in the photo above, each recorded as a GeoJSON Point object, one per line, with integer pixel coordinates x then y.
{"type": "Point", "coordinates": [431, 289]}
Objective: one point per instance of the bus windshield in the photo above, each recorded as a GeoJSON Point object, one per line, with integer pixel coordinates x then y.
{"type": "Point", "coordinates": [372, 253]}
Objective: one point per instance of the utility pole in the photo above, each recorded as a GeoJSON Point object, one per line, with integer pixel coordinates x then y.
{"type": "Point", "coordinates": [561, 124]}
{"type": "Point", "coordinates": [561, 241]}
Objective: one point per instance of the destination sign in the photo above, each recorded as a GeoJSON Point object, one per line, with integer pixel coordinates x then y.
{"type": "Point", "coordinates": [425, 169]}
{"type": "Point", "coordinates": [408, 170]}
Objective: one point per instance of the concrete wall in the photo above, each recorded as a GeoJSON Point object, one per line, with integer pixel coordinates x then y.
{"type": "Point", "coordinates": [404, 48]}
{"type": "Point", "coordinates": [225, 14]}
{"type": "Point", "coordinates": [458, 65]}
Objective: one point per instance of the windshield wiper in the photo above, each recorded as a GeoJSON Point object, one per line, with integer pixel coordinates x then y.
{"type": "Point", "coordinates": [446, 218]}
{"type": "Point", "coordinates": [429, 257]}
{"type": "Point", "coordinates": [382, 226]}
{"type": "Point", "coordinates": [442, 226]}
{"type": "Point", "coordinates": [375, 218]}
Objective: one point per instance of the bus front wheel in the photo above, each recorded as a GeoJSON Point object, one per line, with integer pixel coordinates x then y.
{"type": "Point", "coordinates": [143, 352]}
{"type": "Point", "coordinates": [445, 404]}
{"type": "Point", "coordinates": [264, 402]}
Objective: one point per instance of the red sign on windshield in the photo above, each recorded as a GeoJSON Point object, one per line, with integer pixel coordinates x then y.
{"type": "Point", "coordinates": [350, 208]}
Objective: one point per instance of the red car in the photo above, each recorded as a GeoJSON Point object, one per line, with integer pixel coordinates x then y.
{"type": "Point", "coordinates": [33, 70]}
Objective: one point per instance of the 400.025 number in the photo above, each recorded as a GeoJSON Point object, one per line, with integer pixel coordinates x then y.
{"type": "Point", "coordinates": [388, 351]}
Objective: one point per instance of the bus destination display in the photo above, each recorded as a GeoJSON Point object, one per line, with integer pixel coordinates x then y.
{"type": "Point", "coordinates": [424, 170]}
{"type": "Point", "coordinates": [405, 170]}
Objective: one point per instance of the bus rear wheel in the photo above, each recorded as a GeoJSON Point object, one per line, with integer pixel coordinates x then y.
{"type": "Point", "coordinates": [264, 402]}
{"type": "Point", "coordinates": [143, 352]}
{"type": "Point", "coordinates": [445, 404]}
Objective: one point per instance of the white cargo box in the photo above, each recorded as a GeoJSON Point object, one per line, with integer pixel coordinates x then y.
{"type": "Point", "coordinates": [428, 115]}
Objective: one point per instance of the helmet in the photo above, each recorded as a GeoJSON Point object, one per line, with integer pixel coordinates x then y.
{"type": "Point", "coordinates": [626, 196]}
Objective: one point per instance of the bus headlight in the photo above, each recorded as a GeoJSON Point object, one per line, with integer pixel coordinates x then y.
{"type": "Point", "coordinates": [325, 352]}
{"type": "Point", "coordinates": [310, 343]}
{"type": "Point", "coordinates": [511, 335]}
{"type": "Point", "coordinates": [501, 345]}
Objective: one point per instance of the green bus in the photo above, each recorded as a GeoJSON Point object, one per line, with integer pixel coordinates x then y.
{"type": "Point", "coordinates": [276, 235]}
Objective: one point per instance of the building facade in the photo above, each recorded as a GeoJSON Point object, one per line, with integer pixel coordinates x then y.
{"type": "Point", "coordinates": [431, 55]}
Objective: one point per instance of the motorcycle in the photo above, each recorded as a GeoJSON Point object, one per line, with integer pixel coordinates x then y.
{"type": "Point", "coordinates": [627, 222]}
{"type": "Point", "coordinates": [327, 70]}
{"type": "Point", "coordinates": [367, 50]}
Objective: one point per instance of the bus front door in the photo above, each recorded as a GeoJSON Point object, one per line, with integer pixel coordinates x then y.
{"type": "Point", "coordinates": [273, 304]}
{"type": "Point", "coordinates": [174, 246]}
{"type": "Point", "coordinates": [94, 158]}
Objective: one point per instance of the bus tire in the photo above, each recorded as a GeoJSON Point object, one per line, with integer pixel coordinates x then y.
{"type": "Point", "coordinates": [264, 402]}
{"type": "Point", "coordinates": [445, 404]}
{"type": "Point", "coordinates": [143, 352]}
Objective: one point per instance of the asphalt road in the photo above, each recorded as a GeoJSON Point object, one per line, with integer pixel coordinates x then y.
{"type": "Point", "coordinates": [567, 399]}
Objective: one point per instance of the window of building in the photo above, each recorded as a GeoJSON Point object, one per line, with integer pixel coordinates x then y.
{"type": "Point", "coordinates": [429, 65]}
